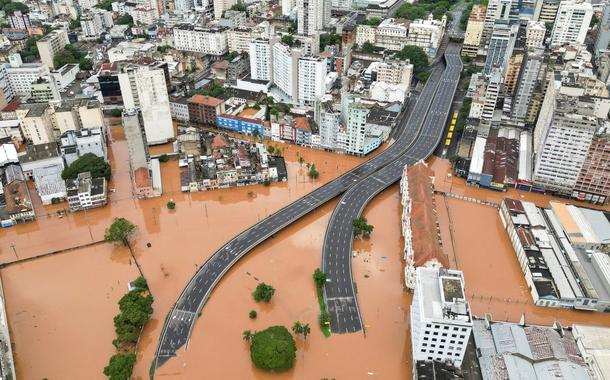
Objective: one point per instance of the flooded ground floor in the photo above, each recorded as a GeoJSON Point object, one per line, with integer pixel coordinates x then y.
{"type": "Point", "coordinates": [62, 306]}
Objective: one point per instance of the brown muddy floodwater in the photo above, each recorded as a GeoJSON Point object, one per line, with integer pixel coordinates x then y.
{"type": "Point", "coordinates": [180, 241]}
{"type": "Point", "coordinates": [287, 262]}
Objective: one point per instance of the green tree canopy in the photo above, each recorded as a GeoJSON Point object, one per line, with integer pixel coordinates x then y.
{"type": "Point", "coordinates": [106, 5]}
{"type": "Point", "coordinates": [120, 366]}
{"type": "Point", "coordinates": [373, 21]}
{"type": "Point", "coordinates": [416, 56]}
{"type": "Point", "coordinates": [11, 7]}
{"type": "Point", "coordinates": [319, 278]}
{"type": "Point", "coordinates": [368, 47]}
{"type": "Point", "coordinates": [126, 19]}
{"type": "Point", "coordinates": [263, 292]}
{"type": "Point", "coordinates": [273, 349]}
{"type": "Point", "coordinates": [327, 39]}
{"type": "Point", "coordinates": [360, 226]}
{"type": "Point", "coordinates": [119, 231]}
{"type": "Point", "coordinates": [240, 7]}
{"type": "Point", "coordinates": [69, 54]}
{"type": "Point", "coordinates": [88, 162]}
{"type": "Point", "coordinates": [288, 39]}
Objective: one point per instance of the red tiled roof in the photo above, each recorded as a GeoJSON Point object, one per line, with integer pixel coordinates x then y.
{"type": "Point", "coordinates": [206, 100]}
{"type": "Point", "coordinates": [219, 142]}
{"type": "Point", "coordinates": [12, 106]}
{"type": "Point", "coordinates": [301, 123]}
{"type": "Point", "coordinates": [425, 238]}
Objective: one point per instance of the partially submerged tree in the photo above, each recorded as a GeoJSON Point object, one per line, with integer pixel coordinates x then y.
{"type": "Point", "coordinates": [120, 231]}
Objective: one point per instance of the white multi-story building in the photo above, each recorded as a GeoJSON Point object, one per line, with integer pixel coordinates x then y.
{"type": "Point", "coordinates": [312, 16]}
{"type": "Point", "coordinates": [534, 32]}
{"type": "Point", "coordinates": [261, 65]}
{"type": "Point", "coordinates": [355, 115]}
{"type": "Point", "coordinates": [312, 75]}
{"type": "Point", "coordinates": [239, 39]}
{"type": "Point", "coordinates": [288, 7]}
{"type": "Point", "coordinates": [75, 144]}
{"type": "Point", "coordinates": [501, 45]}
{"type": "Point", "coordinates": [43, 164]}
{"type": "Point", "coordinates": [21, 75]}
{"type": "Point", "coordinates": [51, 44]}
{"type": "Point", "coordinates": [441, 322]}
{"type": "Point", "coordinates": [329, 124]}
{"type": "Point", "coordinates": [201, 40]}
{"type": "Point", "coordinates": [36, 123]}
{"type": "Point", "coordinates": [285, 69]}
{"type": "Point", "coordinates": [144, 88]}
{"type": "Point", "coordinates": [564, 139]}
{"type": "Point", "coordinates": [572, 22]}
{"type": "Point", "coordinates": [143, 15]}
{"type": "Point", "coordinates": [91, 26]}
{"type": "Point", "coordinates": [427, 34]}
{"type": "Point", "coordinates": [85, 192]}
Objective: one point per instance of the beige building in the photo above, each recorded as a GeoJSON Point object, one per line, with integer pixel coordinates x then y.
{"type": "Point", "coordinates": [535, 33]}
{"type": "Point", "coordinates": [76, 114]}
{"type": "Point", "coordinates": [427, 34]}
{"type": "Point", "coordinates": [513, 68]}
{"type": "Point", "coordinates": [36, 122]}
{"type": "Point", "coordinates": [474, 31]}
{"type": "Point", "coordinates": [51, 44]}
{"type": "Point", "coordinates": [395, 72]}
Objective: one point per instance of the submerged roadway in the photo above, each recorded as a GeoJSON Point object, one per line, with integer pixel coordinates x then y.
{"type": "Point", "coordinates": [181, 319]}
{"type": "Point", "coordinates": [339, 292]}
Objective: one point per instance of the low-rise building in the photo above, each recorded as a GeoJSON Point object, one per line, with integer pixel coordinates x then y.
{"type": "Point", "coordinates": [559, 252]}
{"type": "Point", "coordinates": [15, 202]}
{"type": "Point", "coordinates": [43, 164]}
{"type": "Point", "coordinates": [86, 192]}
{"type": "Point", "coordinates": [36, 122]}
{"type": "Point", "coordinates": [203, 110]}
{"type": "Point", "coordinates": [74, 144]}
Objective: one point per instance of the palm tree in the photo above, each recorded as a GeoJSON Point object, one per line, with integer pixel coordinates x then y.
{"type": "Point", "coordinates": [247, 335]}
{"type": "Point", "coordinates": [297, 328]}
{"type": "Point", "coordinates": [306, 330]}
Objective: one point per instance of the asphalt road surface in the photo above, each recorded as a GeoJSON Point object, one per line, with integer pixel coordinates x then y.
{"type": "Point", "coordinates": [339, 291]}
{"type": "Point", "coordinates": [181, 319]}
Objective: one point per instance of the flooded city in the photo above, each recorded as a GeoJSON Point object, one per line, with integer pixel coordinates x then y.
{"type": "Point", "coordinates": [65, 303]}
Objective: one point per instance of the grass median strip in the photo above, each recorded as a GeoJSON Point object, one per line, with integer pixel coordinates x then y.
{"type": "Point", "coordinates": [319, 278]}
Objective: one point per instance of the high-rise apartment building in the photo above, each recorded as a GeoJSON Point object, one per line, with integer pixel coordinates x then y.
{"type": "Point", "coordinates": [285, 69]}
{"type": "Point", "coordinates": [21, 75]}
{"type": "Point", "coordinates": [593, 183]}
{"type": "Point", "coordinates": [211, 41]}
{"type": "Point", "coordinates": [395, 72]}
{"type": "Point", "coordinates": [427, 34]}
{"type": "Point", "coordinates": [474, 31]}
{"type": "Point", "coordinates": [546, 11]}
{"type": "Point", "coordinates": [329, 124]}
{"type": "Point", "coordinates": [534, 32]}
{"type": "Point", "coordinates": [566, 136]}
{"type": "Point", "coordinates": [145, 88]}
{"type": "Point", "coordinates": [501, 45]}
{"type": "Point", "coordinates": [511, 77]}
{"type": "Point", "coordinates": [51, 44]}
{"type": "Point", "coordinates": [220, 6]}
{"type": "Point", "coordinates": [312, 16]}
{"type": "Point", "coordinates": [20, 20]}
{"type": "Point", "coordinates": [441, 322]}
{"type": "Point", "coordinates": [572, 22]}
{"type": "Point", "coordinates": [496, 10]}
{"type": "Point", "coordinates": [528, 78]}
{"type": "Point", "coordinates": [261, 63]}
{"type": "Point", "coordinates": [355, 115]}
{"type": "Point", "coordinates": [312, 79]}
{"type": "Point", "coordinates": [602, 41]}
{"type": "Point", "coordinates": [495, 83]}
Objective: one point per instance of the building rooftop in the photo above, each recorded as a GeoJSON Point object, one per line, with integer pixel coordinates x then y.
{"type": "Point", "coordinates": [39, 152]}
{"type": "Point", "coordinates": [206, 100]}
{"type": "Point", "coordinates": [442, 293]}
{"type": "Point", "coordinates": [512, 351]}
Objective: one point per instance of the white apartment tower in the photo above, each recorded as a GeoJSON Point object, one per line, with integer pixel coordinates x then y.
{"type": "Point", "coordinates": [285, 69]}
{"type": "Point", "coordinates": [441, 322]}
{"type": "Point", "coordinates": [211, 41]}
{"type": "Point", "coordinates": [261, 65]}
{"type": "Point", "coordinates": [313, 15]}
{"type": "Point", "coordinates": [355, 115]}
{"type": "Point", "coordinates": [220, 6]}
{"type": "Point", "coordinates": [474, 31]}
{"type": "Point", "coordinates": [312, 76]}
{"type": "Point", "coordinates": [144, 88]}
{"type": "Point", "coordinates": [496, 10]}
{"type": "Point", "coordinates": [572, 22]}
{"type": "Point", "coordinates": [565, 137]}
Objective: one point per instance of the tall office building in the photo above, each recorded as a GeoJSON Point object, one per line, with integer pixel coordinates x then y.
{"type": "Point", "coordinates": [312, 79]}
{"type": "Point", "coordinates": [145, 88]}
{"type": "Point", "coordinates": [441, 322]}
{"type": "Point", "coordinates": [285, 69]}
{"type": "Point", "coordinates": [572, 22]}
{"type": "Point", "coordinates": [528, 78]}
{"type": "Point", "coordinates": [261, 64]}
{"type": "Point", "coordinates": [501, 45]}
{"type": "Point", "coordinates": [593, 183]}
{"type": "Point", "coordinates": [566, 136]}
{"type": "Point", "coordinates": [495, 82]}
